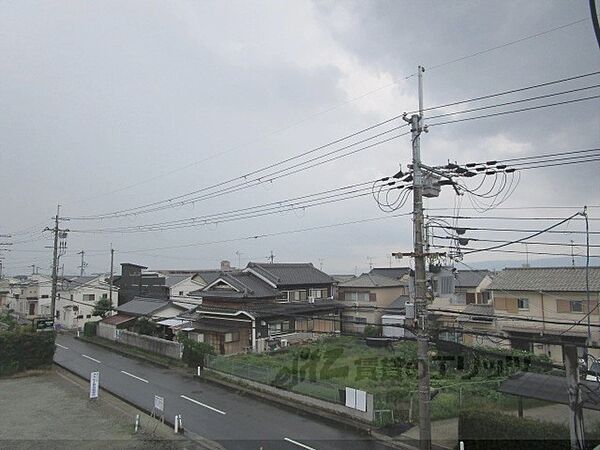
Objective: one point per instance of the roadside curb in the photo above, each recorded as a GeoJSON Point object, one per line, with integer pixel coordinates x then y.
{"type": "Point", "coordinates": [309, 410]}
{"type": "Point", "coordinates": [188, 435]}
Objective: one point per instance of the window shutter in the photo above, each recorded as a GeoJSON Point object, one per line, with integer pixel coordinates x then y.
{"type": "Point", "coordinates": [500, 303]}
{"type": "Point", "coordinates": [372, 297]}
{"type": "Point", "coordinates": [341, 296]}
{"type": "Point", "coordinates": [470, 297]}
{"type": "Point", "coordinates": [511, 305]}
{"type": "Point", "coordinates": [563, 306]}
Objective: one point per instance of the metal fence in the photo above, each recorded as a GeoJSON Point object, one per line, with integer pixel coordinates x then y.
{"type": "Point", "coordinates": [283, 378]}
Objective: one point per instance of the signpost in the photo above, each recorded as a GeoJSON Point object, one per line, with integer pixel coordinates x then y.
{"type": "Point", "coordinates": [94, 384]}
{"type": "Point", "coordinates": [43, 325]}
{"type": "Point", "coordinates": [159, 405]}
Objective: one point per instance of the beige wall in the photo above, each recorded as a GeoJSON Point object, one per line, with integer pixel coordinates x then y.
{"type": "Point", "coordinates": [383, 297]}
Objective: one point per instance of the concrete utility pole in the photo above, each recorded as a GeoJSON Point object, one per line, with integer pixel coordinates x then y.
{"type": "Point", "coordinates": [55, 256]}
{"type": "Point", "coordinates": [271, 257]}
{"type": "Point", "coordinates": [576, 427]}
{"type": "Point", "coordinates": [416, 122]}
{"type": "Point", "coordinates": [83, 263]}
{"type": "Point", "coordinates": [112, 258]}
{"type": "Point", "coordinates": [54, 265]}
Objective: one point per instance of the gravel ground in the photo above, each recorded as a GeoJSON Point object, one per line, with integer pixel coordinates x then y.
{"type": "Point", "coordinates": [52, 411]}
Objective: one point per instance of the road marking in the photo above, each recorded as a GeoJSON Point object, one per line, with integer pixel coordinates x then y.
{"type": "Point", "coordinates": [62, 346]}
{"type": "Point", "coordinates": [89, 357]}
{"type": "Point", "coordinates": [133, 376]}
{"type": "Point", "coordinates": [299, 444]}
{"type": "Point", "coordinates": [203, 404]}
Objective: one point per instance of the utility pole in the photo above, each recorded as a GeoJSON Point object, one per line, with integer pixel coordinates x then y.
{"type": "Point", "coordinates": [576, 427]}
{"type": "Point", "coordinates": [370, 259]}
{"type": "Point", "coordinates": [110, 292]}
{"type": "Point", "coordinates": [321, 264]}
{"type": "Point", "coordinates": [572, 255]}
{"type": "Point", "coordinates": [33, 271]}
{"type": "Point", "coordinates": [271, 257]}
{"type": "Point", "coordinates": [416, 122]}
{"type": "Point", "coordinates": [83, 263]}
{"type": "Point", "coordinates": [55, 257]}
{"type": "Point", "coordinates": [54, 265]}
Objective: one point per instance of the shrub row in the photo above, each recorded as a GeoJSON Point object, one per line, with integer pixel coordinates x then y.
{"type": "Point", "coordinates": [21, 349]}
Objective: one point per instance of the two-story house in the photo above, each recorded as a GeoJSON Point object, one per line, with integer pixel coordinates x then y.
{"type": "Point", "coordinates": [260, 307]}
{"type": "Point", "coordinates": [547, 303]}
{"type": "Point", "coordinates": [369, 296]}
{"type": "Point", "coordinates": [76, 298]}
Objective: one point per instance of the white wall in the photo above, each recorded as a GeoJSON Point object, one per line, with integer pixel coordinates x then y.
{"type": "Point", "coordinates": [74, 310]}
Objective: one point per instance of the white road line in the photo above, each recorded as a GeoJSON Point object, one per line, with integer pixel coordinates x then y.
{"type": "Point", "coordinates": [299, 444]}
{"type": "Point", "coordinates": [89, 357]}
{"type": "Point", "coordinates": [62, 346]}
{"type": "Point", "coordinates": [203, 404]}
{"type": "Point", "coordinates": [133, 376]}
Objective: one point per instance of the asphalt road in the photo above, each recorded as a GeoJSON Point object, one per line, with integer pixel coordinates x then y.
{"type": "Point", "coordinates": [233, 420]}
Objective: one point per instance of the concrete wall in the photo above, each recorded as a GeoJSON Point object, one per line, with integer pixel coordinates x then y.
{"type": "Point", "coordinates": [151, 344]}
{"type": "Point", "coordinates": [368, 416]}
{"type": "Point", "coordinates": [106, 331]}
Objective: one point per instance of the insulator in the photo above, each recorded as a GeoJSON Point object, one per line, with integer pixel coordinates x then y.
{"type": "Point", "coordinates": [491, 163]}
{"type": "Point", "coordinates": [490, 172]}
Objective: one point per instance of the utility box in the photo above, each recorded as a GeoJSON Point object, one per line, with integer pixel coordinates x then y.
{"type": "Point", "coordinates": [431, 185]}
{"type": "Point", "coordinates": [410, 310]}
{"type": "Point", "coordinates": [393, 331]}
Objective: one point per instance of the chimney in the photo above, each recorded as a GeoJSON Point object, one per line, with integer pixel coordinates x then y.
{"type": "Point", "coordinates": [225, 266]}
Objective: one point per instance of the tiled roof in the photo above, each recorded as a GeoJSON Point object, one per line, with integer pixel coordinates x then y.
{"type": "Point", "coordinates": [558, 279]}
{"type": "Point", "coordinates": [117, 319]}
{"type": "Point", "coordinates": [291, 274]}
{"type": "Point", "coordinates": [372, 280]}
{"type": "Point", "coordinates": [172, 280]}
{"type": "Point", "coordinates": [273, 309]}
{"type": "Point", "coordinates": [391, 272]}
{"type": "Point", "coordinates": [143, 306]}
{"type": "Point", "coordinates": [342, 278]}
{"type": "Point", "coordinates": [470, 278]}
{"type": "Point", "coordinates": [247, 285]}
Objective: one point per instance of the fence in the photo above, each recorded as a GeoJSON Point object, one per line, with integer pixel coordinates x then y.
{"type": "Point", "coordinates": [403, 406]}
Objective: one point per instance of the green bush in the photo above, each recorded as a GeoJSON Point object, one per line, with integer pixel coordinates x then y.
{"type": "Point", "coordinates": [490, 430]}
{"type": "Point", "coordinates": [371, 331]}
{"type": "Point", "coordinates": [21, 349]}
{"type": "Point", "coordinates": [89, 329]}
{"type": "Point", "coordinates": [194, 352]}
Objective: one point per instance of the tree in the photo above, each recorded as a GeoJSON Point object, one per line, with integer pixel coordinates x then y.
{"type": "Point", "coordinates": [145, 326]}
{"type": "Point", "coordinates": [194, 352]}
{"type": "Point", "coordinates": [102, 308]}
{"type": "Point", "coordinates": [371, 331]}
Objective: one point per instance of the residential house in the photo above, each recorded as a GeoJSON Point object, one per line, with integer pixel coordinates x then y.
{"type": "Point", "coordinates": [371, 295]}
{"type": "Point", "coordinates": [31, 296]}
{"type": "Point", "coordinates": [470, 286]}
{"type": "Point", "coordinates": [264, 306]}
{"type": "Point", "coordinates": [152, 308]}
{"type": "Point", "coordinates": [76, 298]}
{"type": "Point", "coordinates": [549, 303]}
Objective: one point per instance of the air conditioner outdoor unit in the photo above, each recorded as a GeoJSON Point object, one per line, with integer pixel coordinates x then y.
{"type": "Point", "coordinates": [284, 342]}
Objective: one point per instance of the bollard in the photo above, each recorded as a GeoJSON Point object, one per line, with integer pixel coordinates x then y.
{"type": "Point", "coordinates": [176, 423]}
{"type": "Point", "coordinates": [137, 422]}
{"type": "Point", "coordinates": [180, 424]}
{"type": "Point", "coordinates": [199, 373]}
{"type": "Point", "coordinates": [462, 445]}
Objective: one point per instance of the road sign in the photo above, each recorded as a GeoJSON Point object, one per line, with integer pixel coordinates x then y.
{"type": "Point", "coordinates": [44, 324]}
{"type": "Point", "coordinates": [159, 403]}
{"type": "Point", "coordinates": [94, 384]}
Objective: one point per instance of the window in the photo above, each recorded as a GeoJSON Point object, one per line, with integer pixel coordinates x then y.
{"type": "Point", "coordinates": [232, 337]}
{"type": "Point", "coordinates": [363, 296]}
{"type": "Point", "coordinates": [576, 306]}
{"type": "Point", "coordinates": [357, 296]}
{"type": "Point", "coordinates": [523, 303]}
{"type": "Point", "coordinates": [446, 285]}
{"type": "Point", "coordinates": [104, 296]}
{"type": "Point", "coordinates": [89, 297]}
{"type": "Point", "coordinates": [361, 320]}
{"type": "Point", "coordinates": [181, 293]}
{"type": "Point", "coordinates": [88, 316]}
{"type": "Point", "coordinates": [45, 296]}
{"type": "Point", "coordinates": [318, 293]}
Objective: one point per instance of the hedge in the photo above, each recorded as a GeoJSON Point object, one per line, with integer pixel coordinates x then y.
{"type": "Point", "coordinates": [22, 349]}
{"type": "Point", "coordinates": [89, 329]}
{"type": "Point", "coordinates": [491, 430]}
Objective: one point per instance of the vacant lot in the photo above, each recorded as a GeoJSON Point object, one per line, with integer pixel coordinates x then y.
{"type": "Point", "coordinates": [51, 411]}
{"type": "Point", "coordinates": [321, 369]}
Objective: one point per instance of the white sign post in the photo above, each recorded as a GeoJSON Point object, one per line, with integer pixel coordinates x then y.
{"type": "Point", "coordinates": [159, 405]}
{"type": "Point", "coordinates": [94, 384]}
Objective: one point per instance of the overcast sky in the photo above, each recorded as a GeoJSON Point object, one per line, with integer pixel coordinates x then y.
{"type": "Point", "coordinates": [110, 105]}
